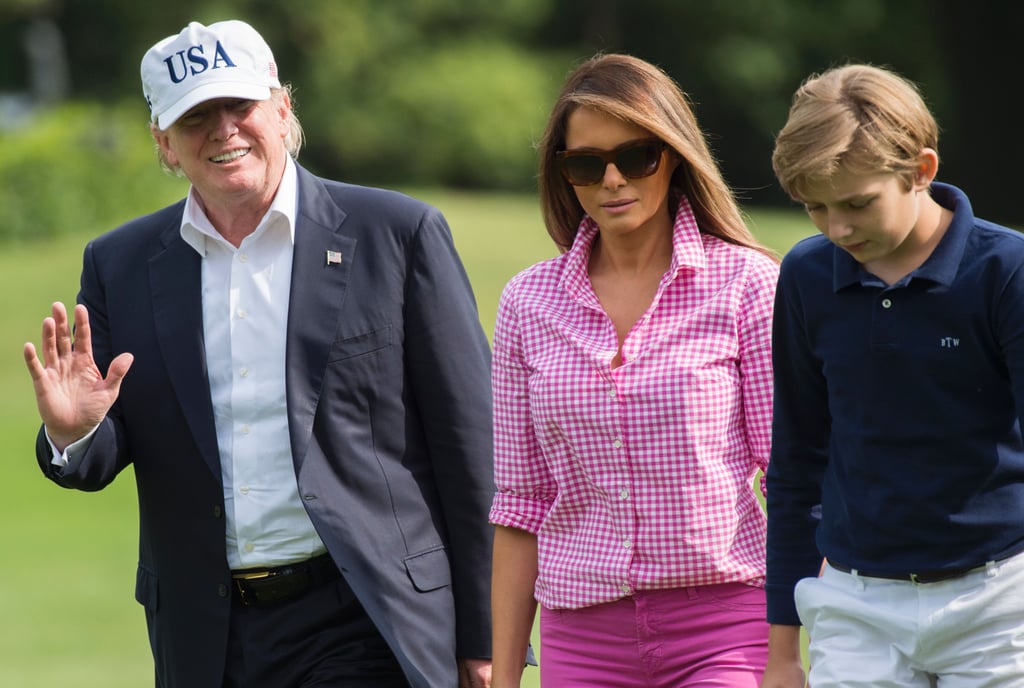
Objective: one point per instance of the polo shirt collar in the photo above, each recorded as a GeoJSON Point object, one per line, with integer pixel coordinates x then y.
{"type": "Point", "coordinates": [940, 267]}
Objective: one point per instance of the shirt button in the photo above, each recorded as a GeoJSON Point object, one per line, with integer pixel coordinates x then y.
{"type": "Point", "coordinates": [617, 444]}
{"type": "Point", "coordinates": [626, 588]}
{"type": "Point", "coordinates": [244, 372]}
{"type": "Point", "coordinates": [242, 313]}
{"type": "Point", "coordinates": [249, 547]}
{"type": "Point", "coordinates": [244, 429]}
{"type": "Point", "coordinates": [244, 489]}
{"type": "Point", "coordinates": [242, 258]}
{"type": "Point", "coordinates": [612, 392]}
{"type": "Point", "coordinates": [627, 543]}
{"type": "Point", "coordinates": [623, 494]}
{"type": "Point", "coordinates": [886, 303]}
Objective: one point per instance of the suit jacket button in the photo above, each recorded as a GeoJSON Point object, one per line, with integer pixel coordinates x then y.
{"type": "Point", "coordinates": [222, 590]}
{"type": "Point", "coordinates": [218, 511]}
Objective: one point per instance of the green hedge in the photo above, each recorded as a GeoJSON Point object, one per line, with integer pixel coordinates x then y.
{"type": "Point", "coordinates": [79, 169]}
{"type": "Point", "coordinates": [463, 115]}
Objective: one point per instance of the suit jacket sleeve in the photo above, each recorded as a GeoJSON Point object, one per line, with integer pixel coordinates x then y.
{"type": "Point", "coordinates": [98, 467]}
{"type": "Point", "coordinates": [448, 360]}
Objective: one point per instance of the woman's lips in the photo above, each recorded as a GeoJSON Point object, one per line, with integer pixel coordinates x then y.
{"type": "Point", "coordinates": [618, 206]}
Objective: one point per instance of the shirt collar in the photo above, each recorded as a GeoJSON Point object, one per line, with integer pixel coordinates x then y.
{"type": "Point", "coordinates": [687, 249]}
{"type": "Point", "coordinates": [941, 266]}
{"type": "Point", "coordinates": [196, 228]}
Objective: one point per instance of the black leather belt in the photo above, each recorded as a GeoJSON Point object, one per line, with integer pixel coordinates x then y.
{"type": "Point", "coordinates": [281, 583]}
{"type": "Point", "coordinates": [920, 577]}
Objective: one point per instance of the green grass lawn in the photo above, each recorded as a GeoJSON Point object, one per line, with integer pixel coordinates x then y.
{"type": "Point", "coordinates": [67, 612]}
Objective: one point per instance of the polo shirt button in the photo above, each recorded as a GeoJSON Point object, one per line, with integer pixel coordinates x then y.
{"type": "Point", "coordinates": [886, 303]}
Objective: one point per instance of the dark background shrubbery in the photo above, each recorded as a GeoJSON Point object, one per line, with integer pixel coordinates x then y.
{"type": "Point", "coordinates": [456, 92]}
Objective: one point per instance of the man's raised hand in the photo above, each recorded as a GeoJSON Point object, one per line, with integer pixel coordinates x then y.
{"type": "Point", "coordinates": [71, 394]}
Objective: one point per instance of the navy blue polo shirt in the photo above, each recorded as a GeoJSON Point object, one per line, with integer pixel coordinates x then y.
{"type": "Point", "coordinates": [896, 443]}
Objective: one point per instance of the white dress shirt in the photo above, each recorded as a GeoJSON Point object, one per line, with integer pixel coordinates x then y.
{"type": "Point", "coordinates": [245, 318]}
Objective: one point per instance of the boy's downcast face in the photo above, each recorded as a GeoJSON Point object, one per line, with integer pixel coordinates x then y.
{"type": "Point", "coordinates": [873, 217]}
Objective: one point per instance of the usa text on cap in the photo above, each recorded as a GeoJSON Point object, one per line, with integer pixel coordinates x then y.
{"type": "Point", "coordinates": [227, 59]}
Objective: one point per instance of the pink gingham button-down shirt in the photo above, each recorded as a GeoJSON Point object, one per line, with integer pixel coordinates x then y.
{"type": "Point", "coordinates": [639, 477]}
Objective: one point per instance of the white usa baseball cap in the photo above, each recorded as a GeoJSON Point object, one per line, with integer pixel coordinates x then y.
{"type": "Point", "coordinates": [227, 59]}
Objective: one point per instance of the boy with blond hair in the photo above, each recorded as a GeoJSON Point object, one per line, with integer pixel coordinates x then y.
{"type": "Point", "coordinates": [899, 389]}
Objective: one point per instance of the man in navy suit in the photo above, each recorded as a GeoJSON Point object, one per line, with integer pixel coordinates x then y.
{"type": "Point", "coordinates": [296, 371]}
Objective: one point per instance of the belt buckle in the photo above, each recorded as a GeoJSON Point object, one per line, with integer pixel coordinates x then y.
{"type": "Point", "coordinates": [240, 580]}
{"type": "Point", "coordinates": [243, 593]}
{"type": "Point", "coordinates": [253, 575]}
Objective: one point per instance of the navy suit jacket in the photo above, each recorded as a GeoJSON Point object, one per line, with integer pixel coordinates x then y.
{"type": "Point", "coordinates": [389, 409]}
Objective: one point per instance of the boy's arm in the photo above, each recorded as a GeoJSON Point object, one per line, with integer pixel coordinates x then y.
{"type": "Point", "coordinates": [785, 667]}
{"type": "Point", "coordinates": [800, 439]}
{"type": "Point", "coordinates": [1011, 335]}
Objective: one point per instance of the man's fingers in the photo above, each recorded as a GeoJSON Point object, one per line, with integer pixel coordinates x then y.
{"type": "Point", "coordinates": [62, 329]}
{"type": "Point", "coordinates": [58, 311]}
{"type": "Point", "coordinates": [61, 337]}
{"type": "Point", "coordinates": [83, 332]}
{"type": "Point", "coordinates": [35, 368]}
{"type": "Point", "coordinates": [48, 344]}
{"type": "Point", "coordinates": [61, 333]}
{"type": "Point", "coordinates": [118, 369]}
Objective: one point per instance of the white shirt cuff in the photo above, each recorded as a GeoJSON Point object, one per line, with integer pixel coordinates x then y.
{"type": "Point", "coordinates": [72, 451]}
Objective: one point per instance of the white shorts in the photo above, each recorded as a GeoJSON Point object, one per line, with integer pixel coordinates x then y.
{"type": "Point", "coordinates": [966, 632]}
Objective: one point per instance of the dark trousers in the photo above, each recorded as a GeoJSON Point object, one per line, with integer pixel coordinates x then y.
{"type": "Point", "coordinates": [323, 638]}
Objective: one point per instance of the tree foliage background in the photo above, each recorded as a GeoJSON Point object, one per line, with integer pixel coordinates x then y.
{"type": "Point", "coordinates": [456, 92]}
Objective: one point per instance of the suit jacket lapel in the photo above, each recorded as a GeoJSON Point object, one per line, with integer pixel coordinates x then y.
{"type": "Point", "coordinates": [175, 277]}
{"type": "Point", "coordinates": [320, 270]}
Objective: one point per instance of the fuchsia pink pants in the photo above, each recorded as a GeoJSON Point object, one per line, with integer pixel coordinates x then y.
{"type": "Point", "coordinates": [708, 636]}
